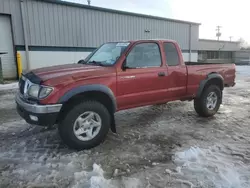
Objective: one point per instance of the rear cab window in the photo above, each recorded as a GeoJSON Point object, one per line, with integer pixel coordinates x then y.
{"type": "Point", "coordinates": [171, 54]}
{"type": "Point", "coordinates": [144, 55]}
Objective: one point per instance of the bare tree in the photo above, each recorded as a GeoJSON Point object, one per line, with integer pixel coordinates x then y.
{"type": "Point", "coordinates": [243, 44]}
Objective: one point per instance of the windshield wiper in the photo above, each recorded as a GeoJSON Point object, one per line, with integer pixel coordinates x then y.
{"type": "Point", "coordinates": [96, 63]}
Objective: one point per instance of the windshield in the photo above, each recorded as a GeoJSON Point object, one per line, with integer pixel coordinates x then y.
{"type": "Point", "coordinates": [107, 54]}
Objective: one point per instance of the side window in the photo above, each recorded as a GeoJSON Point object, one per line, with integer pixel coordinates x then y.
{"type": "Point", "coordinates": [171, 54]}
{"type": "Point", "coordinates": [144, 55]}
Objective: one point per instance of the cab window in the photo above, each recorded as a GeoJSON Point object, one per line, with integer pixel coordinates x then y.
{"type": "Point", "coordinates": [144, 55]}
{"type": "Point", "coordinates": [171, 54]}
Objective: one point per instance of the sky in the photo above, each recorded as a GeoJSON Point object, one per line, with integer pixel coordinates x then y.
{"type": "Point", "coordinates": [232, 15]}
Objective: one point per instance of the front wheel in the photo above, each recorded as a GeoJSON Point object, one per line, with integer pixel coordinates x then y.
{"type": "Point", "coordinates": [209, 102]}
{"type": "Point", "coordinates": [85, 126]}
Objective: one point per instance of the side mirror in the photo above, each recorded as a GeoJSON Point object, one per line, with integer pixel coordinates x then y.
{"type": "Point", "coordinates": [82, 61]}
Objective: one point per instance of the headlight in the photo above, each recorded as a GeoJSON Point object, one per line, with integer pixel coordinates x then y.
{"type": "Point", "coordinates": [44, 92]}
{"type": "Point", "coordinates": [39, 92]}
{"type": "Point", "coordinates": [33, 91]}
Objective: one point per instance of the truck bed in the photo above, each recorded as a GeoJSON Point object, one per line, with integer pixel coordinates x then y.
{"type": "Point", "coordinates": [198, 71]}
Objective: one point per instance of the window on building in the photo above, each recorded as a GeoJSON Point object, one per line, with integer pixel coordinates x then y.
{"type": "Point", "coordinates": [223, 55]}
{"type": "Point", "coordinates": [226, 55]}
{"type": "Point", "coordinates": [212, 54]}
{"type": "Point", "coordinates": [144, 55]}
{"type": "Point", "coordinates": [171, 54]}
{"type": "Point", "coordinates": [209, 55]}
{"type": "Point", "coordinates": [202, 55]}
{"type": "Point", "coordinates": [216, 55]}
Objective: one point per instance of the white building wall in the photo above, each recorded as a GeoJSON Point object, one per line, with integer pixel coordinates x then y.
{"type": "Point", "coordinates": [60, 24]}
{"type": "Point", "coordinates": [40, 59]}
{"type": "Point", "coordinates": [215, 45]}
{"type": "Point", "coordinates": [63, 24]}
{"type": "Point", "coordinates": [194, 56]}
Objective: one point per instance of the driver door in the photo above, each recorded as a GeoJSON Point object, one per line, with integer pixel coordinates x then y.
{"type": "Point", "coordinates": [143, 82]}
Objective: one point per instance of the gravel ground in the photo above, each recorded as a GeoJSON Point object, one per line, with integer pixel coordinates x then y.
{"type": "Point", "coordinates": [156, 146]}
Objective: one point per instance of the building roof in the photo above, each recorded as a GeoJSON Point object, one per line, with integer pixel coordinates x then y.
{"type": "Point", "coordinates": [218, 45]}
{"type": "Point", "coordinates": [211, 40]}
{"type": "Point", "coordinates": [116, 11]}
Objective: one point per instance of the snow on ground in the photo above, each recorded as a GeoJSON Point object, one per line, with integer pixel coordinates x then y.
{"type": "Point", "coordinates": [243, 70]}
{"type": "Point", "coordinates": [8, 86]}
{"type": "Point", "coordinates": [156, 146]}
{"type": "Point", "coordinates": [213, 167]}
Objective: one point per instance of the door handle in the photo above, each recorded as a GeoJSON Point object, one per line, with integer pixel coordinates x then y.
{"type": "Point", "coordinates": [161, 74]}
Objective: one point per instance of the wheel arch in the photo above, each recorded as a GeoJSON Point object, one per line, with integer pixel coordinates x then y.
{"type": "Point", "coordinates": [211, 79]}
{"type": "Point", "coordinates": [100, 90]}
{"type": "Point", "coordinates": [97, 92]}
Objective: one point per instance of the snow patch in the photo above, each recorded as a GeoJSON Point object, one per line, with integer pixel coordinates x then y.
{"type": "Point", "coordinates": [8, 86]}
{"type": "Point", "coordinates": [191, 154]}
{"type": "Point", "coordinates": [224, 110]}
{"type": "Point", "coordinates": [212, 167]}
{"type": "Point", "coordinates": [243, 70]}
{"type": "Point", "coordinates": [96, 179]}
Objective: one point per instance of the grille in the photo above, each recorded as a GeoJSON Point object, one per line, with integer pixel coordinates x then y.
{"type": "Point", "coordinates": [21, 85]}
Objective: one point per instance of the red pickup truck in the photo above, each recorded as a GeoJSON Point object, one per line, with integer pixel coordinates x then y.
{"type": "Point", "coordinates": [83, 98]}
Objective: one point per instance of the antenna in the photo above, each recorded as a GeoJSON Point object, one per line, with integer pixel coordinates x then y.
{"type": "Point", "coordinates": [89, 2]}
{"type": "Point", "coordinates": [230, 38]}
{"type": "Point", "coordinates": [218, 34]}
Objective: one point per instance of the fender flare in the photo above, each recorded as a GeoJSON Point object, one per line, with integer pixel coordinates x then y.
{"type": "Point", "coordinates": [86, 88]}
{"type": "Point", "coordinates": [204, 82]}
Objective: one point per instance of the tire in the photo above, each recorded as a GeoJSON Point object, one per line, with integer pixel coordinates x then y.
{"type": "Point", "coordinates": [202, 105]}
{"type": "Point", "coordinates": [68, 124]}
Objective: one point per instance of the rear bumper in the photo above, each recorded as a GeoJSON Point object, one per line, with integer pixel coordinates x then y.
{"type": "Point", "coordinates": [43, 115]}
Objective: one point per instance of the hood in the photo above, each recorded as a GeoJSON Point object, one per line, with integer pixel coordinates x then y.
{"type": "Point", "coordinates": [70, 70]}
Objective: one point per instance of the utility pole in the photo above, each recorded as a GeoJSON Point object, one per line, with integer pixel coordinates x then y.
{"type": "Point", "coordinates": [218, 34]}
{"type": "Point", "coordinates": [89, 2]}
{"type": "Point", "coordinates": [230, 38]}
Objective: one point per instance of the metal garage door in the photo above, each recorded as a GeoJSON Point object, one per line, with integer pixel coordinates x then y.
{"type": "Point", "coordinates": [6, 45]}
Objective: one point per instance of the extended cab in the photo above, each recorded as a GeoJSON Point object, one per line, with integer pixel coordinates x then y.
{"type": "Point", "coordinates": [83, 98]}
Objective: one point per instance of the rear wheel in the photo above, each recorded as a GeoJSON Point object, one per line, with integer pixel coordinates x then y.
{"type": "Point", "coordinates": [209, 102]}
{"type": "Point", "coordinates": [85, 125]}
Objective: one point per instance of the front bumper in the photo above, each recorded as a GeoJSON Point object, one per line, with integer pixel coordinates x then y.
{"type": "Point", "coordinates": [44, 115]}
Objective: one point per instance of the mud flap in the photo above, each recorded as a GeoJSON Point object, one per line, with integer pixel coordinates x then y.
{"type": "Point", "coordinates": [113, 125]}
{"type": "Point", "coordinates": [221, 97]}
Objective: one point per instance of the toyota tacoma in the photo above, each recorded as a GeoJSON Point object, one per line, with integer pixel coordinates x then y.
{"type": "Point", "coordinates": [82, 98]}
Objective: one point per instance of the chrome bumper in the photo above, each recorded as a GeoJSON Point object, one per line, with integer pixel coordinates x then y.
{"type": "Point", "coordinates": [38, 109]}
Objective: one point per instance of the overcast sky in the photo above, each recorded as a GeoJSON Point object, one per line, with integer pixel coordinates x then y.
{"type": "Point", "coordinates": [232, 15]}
